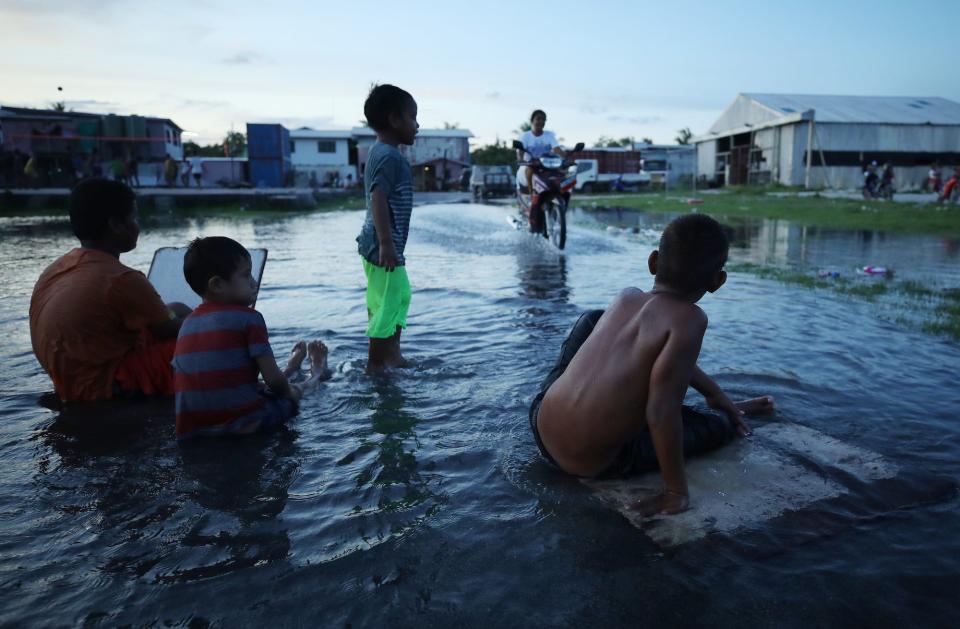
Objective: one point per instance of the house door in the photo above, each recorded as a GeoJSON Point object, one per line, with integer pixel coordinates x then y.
{"type": "Point", "coordinates": [739, 164]}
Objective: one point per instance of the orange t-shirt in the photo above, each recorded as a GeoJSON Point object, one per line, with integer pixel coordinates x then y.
{"type": "Point", "coordinates": [87, 311]}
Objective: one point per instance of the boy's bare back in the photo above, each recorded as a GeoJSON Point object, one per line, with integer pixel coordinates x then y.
{"type": "Point", "coordinates": [640, 357]}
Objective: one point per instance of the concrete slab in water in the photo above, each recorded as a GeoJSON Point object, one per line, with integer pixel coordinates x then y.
{"type": "Point", "coordinates": [166, 274]}
{"type": "Point", "coordinates": [783, 467]}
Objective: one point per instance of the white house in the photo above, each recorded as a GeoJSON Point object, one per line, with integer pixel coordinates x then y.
{"type": "Point", "coordinates": [321, 157]}
{"type": "Point", "coordinates": [824, 141]}
{"type": "Point", "coordinates": [437, 157]}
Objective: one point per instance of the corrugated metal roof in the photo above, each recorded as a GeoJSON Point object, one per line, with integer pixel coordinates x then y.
{"type": "Point", "coordinates": [865, 109]}
{"type": "Point", "coordinates": [307, 132]}
{"type": "Point", "coordinates": [422, 133]}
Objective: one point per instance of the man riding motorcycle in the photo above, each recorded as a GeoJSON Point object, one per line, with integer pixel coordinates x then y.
{"type": "Point", "coordinates": [537, 142]}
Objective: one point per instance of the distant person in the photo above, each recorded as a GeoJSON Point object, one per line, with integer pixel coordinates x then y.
{"type": "Point", "coordinates": [886, 182]}
{"type": "Point", "coordinates": [17, 164]}
{"type": "Point", "coordinates": [871, 181]}
{"type": "Point", "coordinates": [934, 178]}
{"type": "Point", "coordinates": [169, 171]}
{"type": "Point", "coordinates": [537, 142]}
{"type": "Point", "coordinates": [185, 170]}
{"type": "Point", "coordinates": [96, 164]}
{"type": "Point", "coordinates": [134, 169]}
{"type": "Point", "coordinates": [117, 170]}
{"type": "Point", "coordinates": [950, 189]}
{"type": "Point", "coordinates": [196, 170]}
{"type": "Point", "coordinates": [31, 171]}
{"type": "Point", "coordinates": [223, 348]}
{"type": "Point", "coordinates": [613, 404]}
{"type": "Point", "coordinates": [6, 169]}
{"type": "Point", "coordinates": [388, 185]}
{"type": "Point", "coordinates": [79, 167]}
{"type": "Point", "coordinates": [98, 327]}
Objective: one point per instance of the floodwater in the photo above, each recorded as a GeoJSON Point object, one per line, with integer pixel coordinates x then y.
{"type": "Point", "coordinates": [418, 499]}
{"type": "Point", "coordinates": [930, 260]}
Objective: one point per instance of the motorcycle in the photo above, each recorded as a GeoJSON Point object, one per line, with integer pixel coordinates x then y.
{"type": "Point", "coordinates": [545, 207]}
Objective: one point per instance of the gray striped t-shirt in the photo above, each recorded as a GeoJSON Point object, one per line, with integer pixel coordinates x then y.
{"type": "Point", "coordinates": [388, 170]}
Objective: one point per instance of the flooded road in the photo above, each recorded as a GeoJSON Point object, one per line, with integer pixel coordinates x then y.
{"type": "Point", "coordinates": [419, 499]}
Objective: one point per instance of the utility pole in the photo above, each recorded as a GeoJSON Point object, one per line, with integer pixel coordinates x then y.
{"type": "Point", "coordinates": [806, 179]}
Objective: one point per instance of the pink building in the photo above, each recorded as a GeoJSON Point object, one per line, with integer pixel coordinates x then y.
{"type": "Point", "coordinates": [66, 142]}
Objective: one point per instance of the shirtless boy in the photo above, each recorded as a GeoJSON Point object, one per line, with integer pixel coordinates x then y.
{"type": "Point", "coordinates": [613, 405]}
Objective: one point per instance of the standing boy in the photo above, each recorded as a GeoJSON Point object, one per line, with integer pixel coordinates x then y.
{"type": "Point", "coordinates": [392, 113]}
{"type": "Point", "coordinates": [98, 327]}
{"type": "Point", "coordinates": [613, 405]}
{"type": "Point", "coordinates": [223, 347]}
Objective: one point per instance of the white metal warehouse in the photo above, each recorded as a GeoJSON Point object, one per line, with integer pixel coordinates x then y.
{"type": "Point", "coordinates": [763, 138]}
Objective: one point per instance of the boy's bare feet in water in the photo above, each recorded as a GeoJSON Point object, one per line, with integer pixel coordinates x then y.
{"type": "Point", "coordinates": [318, 358]}
{"type": "Point", "coordinates": [318, 366]}
{"type": "Point", "coordinates": [385, 353]}
{"type": "Point", "coordinates": [757, 405]}
{"type": "Point", "coordinates": [297, 355]}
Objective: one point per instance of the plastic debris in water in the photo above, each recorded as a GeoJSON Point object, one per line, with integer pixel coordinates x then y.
{"type": "Point", "coordinates": [828, 273]}
{"type": "Point", "coordinates": [877, 270]}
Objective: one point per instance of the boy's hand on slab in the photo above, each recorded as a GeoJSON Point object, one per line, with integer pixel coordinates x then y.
{"type": "Point", "coordinates": [720, 402]}
{"type": "Point", "coordinates": [662, 503]}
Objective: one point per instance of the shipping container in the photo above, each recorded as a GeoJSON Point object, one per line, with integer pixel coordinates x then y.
{"type": "Point", "coordinates": [269, 141]}
{"type": "Point", "coordinates": [613, 160]}
{"type": "Point", "coordinates": [268, 173]}
{"type": "Point", "coordinates": [113, 126]}
{"type": "Point", "coordinates": [88, 130]}
{"type": "Point", "coordinates": [136, 126]}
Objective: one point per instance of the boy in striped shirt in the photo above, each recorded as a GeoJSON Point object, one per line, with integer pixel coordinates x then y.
{"type": "Point", "coordinates": [388, 183]}
{"type": "Point", "coordinates": [223, 348]}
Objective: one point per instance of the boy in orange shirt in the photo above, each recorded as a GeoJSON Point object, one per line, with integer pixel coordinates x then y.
{"type": "Point", "coordinates": [98, 327]}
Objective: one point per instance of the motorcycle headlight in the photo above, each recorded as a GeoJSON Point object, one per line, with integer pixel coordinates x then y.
{"type": "Point", "coordinates": [551, 162]}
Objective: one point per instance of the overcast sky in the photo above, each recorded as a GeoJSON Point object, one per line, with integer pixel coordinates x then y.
{"type": "Point", "coordinates": [598, 68]}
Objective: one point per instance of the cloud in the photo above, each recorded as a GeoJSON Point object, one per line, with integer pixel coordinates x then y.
{"type": "Point", "coordinates": [243, 58]}
{"type": "Point", "coordinates": [203, 104]}
{"type": "Point", "coordinates": [492, 95]}
{"type": "Point", "coordinates": [57, 7]}
{"type": "Point", "coordinates": [637, 120]}
{"type": "Point", "coordinates": [91, 104]}
{"type": "Point", "coordinates": [318, 123]}
{"type": "Point", "coordinates": [593, 109]}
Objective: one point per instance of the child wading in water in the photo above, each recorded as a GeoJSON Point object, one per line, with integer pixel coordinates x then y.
{"type": "Point", "coordinates": [223, 347]}
{"type": "Point", "coordinates": [388, 182]}
{"type": "Point", "coordinates": [613, 404]}
{"type": "Point", "coordinates": [98, 327]}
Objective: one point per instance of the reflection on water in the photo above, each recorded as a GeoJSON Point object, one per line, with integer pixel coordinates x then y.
{"type": "Point", "coordinates": [419, 499]}
{"type": "Point", "coordinates": [393, 481]}
{"type": "Point", "coordinates": [929, 259]}
{"type": "Point", "coordinates": [542, 274]}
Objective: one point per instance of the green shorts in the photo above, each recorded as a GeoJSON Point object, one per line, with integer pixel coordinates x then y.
{"type": "Point", "coordinates": [388, 299]}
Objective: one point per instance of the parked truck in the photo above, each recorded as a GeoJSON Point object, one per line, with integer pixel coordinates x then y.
{"type": "Point", "coordinates": [488, 181]}
{"type": "Point", "coordinates": [601, 169]}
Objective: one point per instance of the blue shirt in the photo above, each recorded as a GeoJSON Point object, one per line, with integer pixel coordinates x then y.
{"type": "Point", "coordinates": [388, 170]}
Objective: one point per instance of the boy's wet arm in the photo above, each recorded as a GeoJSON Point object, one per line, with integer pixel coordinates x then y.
{"type": "Point", "coordinates": [272, 375]}
{"type": "Point", "coordinates": [669, 378]}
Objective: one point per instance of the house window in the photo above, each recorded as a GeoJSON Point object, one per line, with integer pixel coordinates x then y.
{"type": "Point", "coordinates": [293, 146]}
{"type": "Point", "coordinates": [326, 146]}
